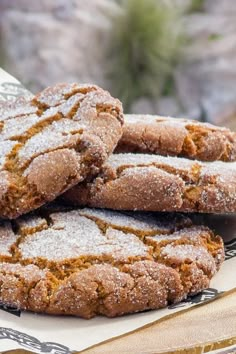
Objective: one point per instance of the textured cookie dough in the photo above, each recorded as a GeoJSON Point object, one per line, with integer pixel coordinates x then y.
{"type": "Point", "coordinates": [53, 141]}
{"type": "Point", "coordinates": [88, 262]}
{"type": "Point", "coordinates": [177, 137]}
{"type": "Point", "coordinates": [158, 183]}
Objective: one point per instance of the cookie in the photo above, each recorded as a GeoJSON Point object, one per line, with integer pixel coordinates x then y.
{"type": "Point", "coordinates": [53, 141]}
{"type": "Point", "coordinates": [158, 183]}
{"type": "Point", "coordinates": [177, 137]}
{"type": "Point", "coordinates": [95, 262]}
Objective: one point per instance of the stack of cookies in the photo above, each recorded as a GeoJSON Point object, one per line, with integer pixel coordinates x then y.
{"type": "Point", "coordinates": [113, 242]}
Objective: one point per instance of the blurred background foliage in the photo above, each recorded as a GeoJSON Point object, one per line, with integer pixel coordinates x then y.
{"type": "Point", "coordinates": [196, 6]}
{"type": "Point", "coordinates": [145, 46]}
{"type": "Point", "coordinates": [168, 57]}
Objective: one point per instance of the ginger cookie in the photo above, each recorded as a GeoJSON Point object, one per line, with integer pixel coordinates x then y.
{"type": "Point", "coordinates": [52, 142]}
{"type": "Point", "coordinates": [158, 183]}
{"type": "Point", "coordinates": [91, 262]}
{"type": "Point", "coordinates": [177, 137]}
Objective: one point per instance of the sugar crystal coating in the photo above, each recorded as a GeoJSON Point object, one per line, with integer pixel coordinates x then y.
{"type": "Point", "coordinates": [7, 238]}
{"type": "Point", "coordinates": [86, 262]}
{"type": "Point", "coordinates": [79, 123]}
{"type": "Point", "coordinates": [159, 183]}
{"type": "Point", "coordinates": [177, 137]}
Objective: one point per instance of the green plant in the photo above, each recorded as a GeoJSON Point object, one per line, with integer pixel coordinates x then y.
{"type": "Point", "coordinates": [144, 48]}
{"type": "Point", "coordinates": [214, 36]}
{"type": "Point", "coordinates": [196, 6]}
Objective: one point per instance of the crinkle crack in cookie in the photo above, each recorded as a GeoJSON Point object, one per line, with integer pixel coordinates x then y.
{"type": "Point", "coordinates": [89, 262]}
{"type": "Point", "coordinates": [157, 183]}
{"type": "Point", "coordinates": [52, 142]}
{"type": "Point", "coordinates": [177, 137]}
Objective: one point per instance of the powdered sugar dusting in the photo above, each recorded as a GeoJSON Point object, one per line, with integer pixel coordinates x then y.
{"type": "Point", "coordinates": [30, 224]}
{"type": "Point", "coordinates": [137, 221]}
{"type": "Point", "coordinates": [41, 127]}
{"type": "Point", "coordinates": [28, 273]}
{"type": "Point", "coordinates": [140, 118]}
{"type": "Point", "coordinates": [118, 160]}
{"type": "Point", "coordinates": [37, 146]}
{"type": "Point", "coordinates": [5, 149]}
{"type": "Point", "coordinates": [7, 238]}
{"type": "Point", "coordinates": [57, 135]}
{"type": "Point", "coordinates": [20, 107]}
{"type": "Point", "coordinates": [164, 184]}
{"type": "Point", "coordinates": [80, 237]}
{"type": "Point", "coordinates": [147, 119]}
{"type": "Point", "coordinates": [67, 107]}
{"type": "Point", "coordinates": [76, 265]}
{"type": "Point", "coordinates": [193, 235]}
{"type": "Point", "coordinates": [218, 168]}
{"type": "Point", "coordinates": [53, 96]}
{"type": "Point", "coordinates": [189, 253]}
{"type": "Point", "coordinates": [14, 128]}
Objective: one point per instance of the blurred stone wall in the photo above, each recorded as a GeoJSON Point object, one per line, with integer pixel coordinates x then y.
{"type": "Point", "coordinates": [48, 41]}
{"type": "Point", "coordinates": [206, 80]}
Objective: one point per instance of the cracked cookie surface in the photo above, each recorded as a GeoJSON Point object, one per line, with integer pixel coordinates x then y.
{"type": "Point", "coordinates": [158, 183]}
{"type": "Point", "coordinates": [177, 137]}
{"type": "Point", "coordinates": [111, 263]}
{"type": "Point", "coordinates": [53, 141]}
